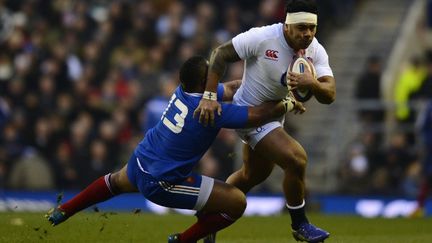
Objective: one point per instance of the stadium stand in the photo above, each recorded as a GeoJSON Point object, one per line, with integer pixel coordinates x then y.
{"type": "Point", "coordinates": [76, 78]}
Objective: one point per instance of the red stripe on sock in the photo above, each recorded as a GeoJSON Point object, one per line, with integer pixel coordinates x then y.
{"type": "Point", "coordinates": [205, 225]}
{"type": "Point", "coordinates": [96, 192]}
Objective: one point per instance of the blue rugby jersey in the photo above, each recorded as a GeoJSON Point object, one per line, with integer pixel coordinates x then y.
{"type": "Point", "coordinates": [171, 149]}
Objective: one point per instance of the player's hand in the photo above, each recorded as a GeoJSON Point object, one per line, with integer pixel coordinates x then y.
{"type": "Point", "coordinates": [206, 111]}
{"type": "Point", "coordinates": [301, 81]}
{"type": "Point", "coordinates": [292, 105]}
{"type": "Point", "coordinates": [298, 108]}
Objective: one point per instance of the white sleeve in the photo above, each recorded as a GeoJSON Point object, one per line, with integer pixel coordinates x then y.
{"type": "Point", "coordinates": [321, 63]}
{"type": "Point", "coordinates": [246, 44]}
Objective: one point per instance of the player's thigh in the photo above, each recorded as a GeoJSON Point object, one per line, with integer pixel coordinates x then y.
{"type": "Point", "coordinates": [190, 193]}
{"type": "Point", "coordinates": [225, 198]}
{"type": "Point", "coordinates": [255, 166]}
{"type": "Point", "coordinates": [281, 148]}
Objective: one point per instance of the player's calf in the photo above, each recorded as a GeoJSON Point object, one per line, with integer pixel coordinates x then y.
{"type": "Point", "coordinates": [225, 205]}
{"type": "Point", "coordinates": [210, 238]}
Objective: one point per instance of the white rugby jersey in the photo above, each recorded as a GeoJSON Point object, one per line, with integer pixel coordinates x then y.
{"type": "Point", "coordinates": [267, 58]}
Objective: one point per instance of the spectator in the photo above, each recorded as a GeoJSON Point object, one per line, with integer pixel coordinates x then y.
{"type": "Point", "coordinates": [4, 112]}
{"type": "Point", "coordinates": [429, 14]}
{"type": "Point", "coordinates": [31, 171]}
{"type": "Point", "coordinates": [425, 90]}
{"type": "Point", "coordinates": [364, 159]}
{"type": "Point", "coordinates": [368, 92]}
{"type": "Point", "coordinates": [388, 178]}
{"type": "Point", "coordinates": [156, 106]}
{"type": "Point", "coordinates": [355, 172]}
{"type": "Point", "coordinates": [65, 172]}
{"type": "Point", "coordinates": [100, 161]}
{"type": "Point", "coordinates": [409, 82]}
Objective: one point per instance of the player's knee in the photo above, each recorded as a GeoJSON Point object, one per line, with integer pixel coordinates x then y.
{"type": "Point", "coordinates": [115, 181]}
{"type": "Point", "coordinates": [239, 203]}
{"type": "Point", "coordinates": [296, 161]}
{"type": "Point", "coordinates": [299, 162]}
{"type": "Point", "coordinates": [118, 182]}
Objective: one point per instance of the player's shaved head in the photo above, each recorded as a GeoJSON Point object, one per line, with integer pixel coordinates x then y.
{"type": "Point", "coordinates": [193, 74]}
{"type": "Point", "coordinates": [295, 6]}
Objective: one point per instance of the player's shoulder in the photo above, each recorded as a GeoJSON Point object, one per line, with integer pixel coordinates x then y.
{"type": "Point", "coordinates": [189, 99]}
{"type": "Point", "coordinates": [315, 49]}
{"type": "Point", "coordinates": [315, 44]}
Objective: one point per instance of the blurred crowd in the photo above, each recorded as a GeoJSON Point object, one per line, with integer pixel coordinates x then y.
{"type": "Point", "coordinates": [400, 165]}
{"type": "Point", "coordinates": [82, 81]}
{"type": "Point", "coordinates": [397, 161]}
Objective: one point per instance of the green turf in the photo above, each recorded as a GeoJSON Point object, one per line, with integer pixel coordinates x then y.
{"type": "Point", "coordinates": [129, 227]}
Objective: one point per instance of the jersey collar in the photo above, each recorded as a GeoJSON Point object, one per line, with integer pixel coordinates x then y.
{"type": "Point", "coordinates": [190, 94]}
{"type": "Point", "coordinates": [194, 94]}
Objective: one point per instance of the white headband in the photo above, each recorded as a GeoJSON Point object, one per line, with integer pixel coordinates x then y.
{"type": "Point", "coordinates": [301, 17]}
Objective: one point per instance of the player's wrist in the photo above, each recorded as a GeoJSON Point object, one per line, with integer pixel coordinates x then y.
{"type": "Point", "coordinates": [289, 103]}
{"type": "Point", "coordinates": [209, 95]}
{"type": "Point", "coordinates": [316, 85]}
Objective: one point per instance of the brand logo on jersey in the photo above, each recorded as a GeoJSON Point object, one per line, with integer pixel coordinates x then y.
{"type": "Point", "coordinates": [271, 54]}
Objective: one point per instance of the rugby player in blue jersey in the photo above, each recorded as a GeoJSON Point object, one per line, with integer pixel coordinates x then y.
{"type": "Point", "coordinates": [162, 163]}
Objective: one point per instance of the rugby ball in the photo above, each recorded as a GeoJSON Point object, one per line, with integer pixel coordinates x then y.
{"type": "Point", "coordinates": [299, 65]}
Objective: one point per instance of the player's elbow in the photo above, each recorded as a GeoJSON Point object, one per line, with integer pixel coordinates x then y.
{"type": "Point", "coordinates": [217, 53]}
{"type": "Point", "coordinates": [327, 99]}
{"type": "Point", "coordinates": [330, 100]}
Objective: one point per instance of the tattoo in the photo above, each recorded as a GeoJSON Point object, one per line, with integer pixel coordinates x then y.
{"type": "Point", "coordinates": [220, 57]}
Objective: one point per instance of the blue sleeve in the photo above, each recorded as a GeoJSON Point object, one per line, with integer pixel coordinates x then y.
{"type": "Point", "coordinates": [233, 116]}
{"type": "Point", "coordinates": [220, 91]}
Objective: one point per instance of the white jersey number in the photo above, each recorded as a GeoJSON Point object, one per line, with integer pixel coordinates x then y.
{"type": "Point", "coordinates": [179, 118]}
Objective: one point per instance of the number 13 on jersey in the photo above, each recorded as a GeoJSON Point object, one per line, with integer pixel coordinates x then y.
{"type": "Point", "coordinates": [175, 126]}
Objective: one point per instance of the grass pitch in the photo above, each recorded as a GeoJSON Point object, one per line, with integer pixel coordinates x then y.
{"type": "Point", "coordinates": [139, 227]}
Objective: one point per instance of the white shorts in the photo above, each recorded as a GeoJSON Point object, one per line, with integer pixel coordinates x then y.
{"type": "Point", "coordinates": [252, 136]}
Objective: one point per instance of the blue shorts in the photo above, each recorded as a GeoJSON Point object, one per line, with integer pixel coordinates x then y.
{"type": "Point", "coordinates": [192, 193]}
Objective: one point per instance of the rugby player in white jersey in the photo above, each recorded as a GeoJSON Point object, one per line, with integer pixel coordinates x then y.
{"type": "Point", "coordinates": [268, 52]}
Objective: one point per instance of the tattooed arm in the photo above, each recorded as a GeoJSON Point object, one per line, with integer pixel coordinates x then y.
{"type": "Point", "coordinates": [219, 58]}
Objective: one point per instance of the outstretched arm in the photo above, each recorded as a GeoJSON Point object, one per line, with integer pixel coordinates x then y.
{"type": "Point", "coordinates": [230, 88]}
{"type": "Point", "coordinates": [219, 59]}
{"type": "Point", "coordinates": [267, 111]}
